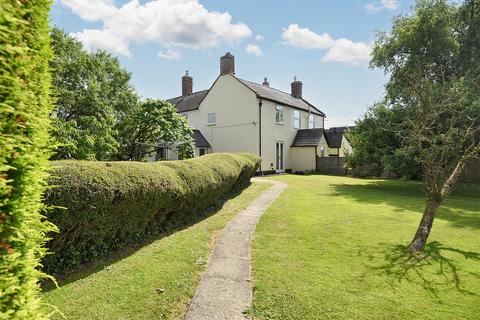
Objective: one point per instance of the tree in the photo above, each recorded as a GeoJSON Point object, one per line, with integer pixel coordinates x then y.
{"type": "Point", "coordinates": [92, 95]}
{"type": "Point", "coordinates": [25, 106]}
{"type": "Point", "coordinates": [433, 65]}
{"type": "Point", "coordinates": [377, 145]}
{"type": "Point", "coordinates": [98, 114]}
{"type": "Point", "coordinates": [151, 124]}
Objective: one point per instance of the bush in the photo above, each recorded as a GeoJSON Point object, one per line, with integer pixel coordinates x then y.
{"type": "Point", "coordinates": [25, 106]}
{"type": "Point", "coordinates": [114, 204]}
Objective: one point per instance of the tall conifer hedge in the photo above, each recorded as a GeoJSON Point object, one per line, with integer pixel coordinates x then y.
{"type": "Point", "coordinates": [24, 119]}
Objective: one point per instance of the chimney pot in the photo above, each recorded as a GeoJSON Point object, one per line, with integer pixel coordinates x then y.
{"type": "Point", "coordinates": [265, 82]}
{"type": "Point", "coordinates": [296, 88]}
{"type": "Point", "coordinates": [187, 84]}
{"type": "Point", "coordinates": [227, 64]}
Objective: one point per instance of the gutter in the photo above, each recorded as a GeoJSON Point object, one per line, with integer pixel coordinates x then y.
{"type": "Point", "coordinates": [260, 130]}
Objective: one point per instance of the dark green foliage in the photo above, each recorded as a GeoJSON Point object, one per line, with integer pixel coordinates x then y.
{"type": "Point", "coordinates": [152, 123]}
{"type": "Point", "coordinates": [93, 94]}
{"type": "Point", "coordinates": [99, 115]}
{"type": "Point", "coordinates": [377, 144]}
{"type": "Point", "coordinates": [24, 119]}
{"type": "Point", "coordinates": [114, 204]}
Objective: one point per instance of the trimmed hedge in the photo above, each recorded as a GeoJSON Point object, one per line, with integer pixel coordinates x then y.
{"type": "Point", "coordinates": [25, 106]}
{"type": "Point", "coordinates": [111, 205]}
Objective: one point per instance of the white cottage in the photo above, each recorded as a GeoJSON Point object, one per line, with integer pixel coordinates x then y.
{"type": "Point", "coordinates": [236, 115]}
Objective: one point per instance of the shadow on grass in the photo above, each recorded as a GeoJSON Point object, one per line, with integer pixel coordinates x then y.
{"type": "Point", "coordinates": [462, 208]}
{"type": "Point", "coordinates": [104, 263]}
{"type": "Point", "coordinates": [425, 268]}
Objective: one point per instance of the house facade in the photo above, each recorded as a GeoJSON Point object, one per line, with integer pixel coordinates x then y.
{"type": "Point", "coordinates": [236, 115]}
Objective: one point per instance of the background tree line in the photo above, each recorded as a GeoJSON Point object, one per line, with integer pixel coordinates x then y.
{"type": "Point", "coordinates": [99, 116]}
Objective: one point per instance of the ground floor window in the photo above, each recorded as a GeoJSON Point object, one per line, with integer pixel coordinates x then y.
{"type": "Point", "coordinates": [279, 156]}
{"type": "Point", "coordinates": [161, 154]}
{"type": "Point", "coordinates": [202, 151]}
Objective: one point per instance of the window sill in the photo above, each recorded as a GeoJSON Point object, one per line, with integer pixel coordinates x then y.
{"type": "Point", "coordinates": [211, 124]}
{"type": "Point", "coordinates": [279, 123]}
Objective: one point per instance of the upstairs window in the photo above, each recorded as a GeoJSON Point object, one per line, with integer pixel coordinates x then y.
{"type": "Point", "coordinates": [311, 121]}
{"type": "Point", "coordinates": [279, 114]}
{"type": "Point", "coordinates": [296, 119]}
{"type": "Point", "coordinates": [212, 119]}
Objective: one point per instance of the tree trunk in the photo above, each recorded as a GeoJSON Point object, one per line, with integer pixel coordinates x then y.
{"type": "Point", "coordinates": [433, 202]}
{"type": "Point", "coordinates": [423, 231]}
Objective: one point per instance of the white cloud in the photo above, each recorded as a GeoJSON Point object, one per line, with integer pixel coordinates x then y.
{"type": "Point", "coordinates": [304, 38]}
{"type": "Point", "coordinates": [171, 23]}
{"type": "Point", "coordinates": [253, 49]}
{"type": "Point", "coordinates": [171, 54]}
{"type": "Point", "coordinates": [102, 39]}
{"type": "Point", "coordinates": [339, 50]}
{"type": "Point", "coordinates": [91, 10]}
{"type": "Point", "coordinates": [390, 4]}
{"type": "Point", "coordinates": [259, 37]}
{"type": "Point", "coordinates": [373, 7]}
{"type": "Point", "coordinates": [349, 52]}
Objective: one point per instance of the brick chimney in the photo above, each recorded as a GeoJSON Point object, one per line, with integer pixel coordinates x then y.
{"type": "Point", "coordinates": [187, 84]}
{"type": "Point", "coordinates": [297, 88]}
{"type": "Point", "coordinates": [227, 64]}
{"type": "Point", "coordinates": [265, 82]}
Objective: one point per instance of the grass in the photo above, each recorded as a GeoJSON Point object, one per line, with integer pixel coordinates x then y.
{"type": "Point", "coordinates": [154, 282]}
{"type": "Point", "coordinates": [335, 248]}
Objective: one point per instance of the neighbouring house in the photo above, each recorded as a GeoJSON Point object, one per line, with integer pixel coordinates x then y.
{"type": "Point", "coordinates": [169, 152]}
{"type": "Point", "coordinates": [236, 115]}
{"type": "Point", "coordinates": [338, 144]}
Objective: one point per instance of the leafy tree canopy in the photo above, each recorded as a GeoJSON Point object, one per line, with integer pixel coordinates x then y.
{"type": "Point", "coordinates": [99, 116]}
{"type": "Point", "coordinates": [153, 124]}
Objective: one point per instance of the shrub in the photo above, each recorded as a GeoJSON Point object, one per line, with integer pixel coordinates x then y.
{"type": "Point", "coordinates": [114, 204]}
{"type": "Point", "coordinates": [24, 121]}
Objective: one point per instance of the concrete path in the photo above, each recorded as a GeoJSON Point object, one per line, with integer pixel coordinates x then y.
{"type": "Point", "coordinates": [225, 290]}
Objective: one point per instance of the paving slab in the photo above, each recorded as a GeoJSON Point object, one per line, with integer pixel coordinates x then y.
{"type": "Point", "coordinates": [225, 290]}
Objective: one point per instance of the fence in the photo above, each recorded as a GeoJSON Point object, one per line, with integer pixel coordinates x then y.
{"type": "Point", "coordinates": [331, 165]}
{"type": "Point", "coordinates": [336, 166]}
{"type": "Point", "coordinates": [471, 172]}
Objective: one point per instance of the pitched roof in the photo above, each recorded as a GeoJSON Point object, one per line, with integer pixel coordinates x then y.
{"type": "Point", "coordinates": [281, 97]}
{"type": "Point", "coordinates": [188, 102]}
{"type": "Point", "coordinates": [193, 100]}
{"type": "Point", "coordinates": [200, 140]}
{"type": "Point", "coordinates": [334, 136]}
{"type": "Point", "coordinates": [307, 138]}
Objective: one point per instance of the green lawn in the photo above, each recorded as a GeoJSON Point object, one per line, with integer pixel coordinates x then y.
{"type": "Point", "coordinates": [334, 248]}
{"type": "Point", "coordinates": [154, 282]}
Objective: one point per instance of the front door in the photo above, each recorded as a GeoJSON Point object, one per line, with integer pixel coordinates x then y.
{"type": "Point", "coordinates": [279, 157]}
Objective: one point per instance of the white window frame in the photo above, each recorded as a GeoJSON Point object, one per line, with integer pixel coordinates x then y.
{"type": "Point", "coordinates": [297, 117]}
{"type": "Point", "coordinates": [311, 121]}
{"type": "Point", "coordinates": [279, 114]}
{"type": "Point", "coordinates": [209, 119]}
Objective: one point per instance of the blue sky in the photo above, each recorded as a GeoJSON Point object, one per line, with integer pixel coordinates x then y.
{"type": "Point", "coordinates": [324, 43]}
